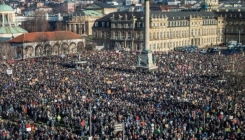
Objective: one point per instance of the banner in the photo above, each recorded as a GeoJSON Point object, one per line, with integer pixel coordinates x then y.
{"type": "Point", "coordinates": [9, 71]}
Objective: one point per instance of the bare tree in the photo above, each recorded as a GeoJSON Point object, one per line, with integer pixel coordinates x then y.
{"type": "Point", "coordinates": [59, 26]}
{"type": "Point", "coordinates": [6, 51]}
{"type": "Point", "coordinates": [37, 23]}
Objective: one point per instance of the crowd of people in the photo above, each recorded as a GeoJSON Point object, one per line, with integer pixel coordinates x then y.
{"type": "Point", "coordinates": [189, 96]}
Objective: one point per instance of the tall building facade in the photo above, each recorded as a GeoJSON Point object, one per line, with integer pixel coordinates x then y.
{"type": "Point", "coordinates": [81, 22]}
{"type": "Point", "coordinates": [167, 30]}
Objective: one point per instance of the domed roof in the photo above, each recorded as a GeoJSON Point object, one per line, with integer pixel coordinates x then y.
{"type": "Point", "coordinates": [4, 7]}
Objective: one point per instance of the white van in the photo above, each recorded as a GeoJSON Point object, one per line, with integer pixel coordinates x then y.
{"type": "Point", "coordinates": [231, 46]}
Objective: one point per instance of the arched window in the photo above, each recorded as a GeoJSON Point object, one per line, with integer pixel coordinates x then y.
{"type": "Point", "coordinates": [95, 34]}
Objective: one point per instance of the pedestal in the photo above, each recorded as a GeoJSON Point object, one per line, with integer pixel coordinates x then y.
{"type": "Point", "coordinates": [146, 61]}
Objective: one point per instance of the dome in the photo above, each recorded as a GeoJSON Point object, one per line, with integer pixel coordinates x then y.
{"type": "Point", "coordinates": [5, 8]}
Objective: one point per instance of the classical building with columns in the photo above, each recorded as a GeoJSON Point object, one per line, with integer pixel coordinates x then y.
{"type": "Point", "coordinates": [8, 26]}
{"type": "Point", "coordinates": [81, 22]}
{"type": "Point", "coordinates": [167, 30]}
{"type": "Point", "coordinates": [39, 44]}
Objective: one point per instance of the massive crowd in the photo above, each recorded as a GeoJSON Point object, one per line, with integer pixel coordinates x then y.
{"type": "Point", "coordinates": [183, 99]}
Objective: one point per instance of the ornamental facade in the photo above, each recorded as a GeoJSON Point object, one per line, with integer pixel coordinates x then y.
{"type": "Point", "coordinates": [168, 29]}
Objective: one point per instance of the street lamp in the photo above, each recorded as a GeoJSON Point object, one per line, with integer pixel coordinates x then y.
{"type": "Point", "coordinates": [90, 119]}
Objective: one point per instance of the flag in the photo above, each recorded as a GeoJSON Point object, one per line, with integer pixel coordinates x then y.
{"type": "Point", "coordinates": [28, 127]}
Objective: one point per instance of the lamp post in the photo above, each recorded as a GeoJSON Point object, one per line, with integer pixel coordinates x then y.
{"type": "Point", "coordinates": [239, 32]}
{"type": "Point", "coordinates": [90, 120]}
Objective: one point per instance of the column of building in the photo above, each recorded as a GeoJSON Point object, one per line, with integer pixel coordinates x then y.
{"type": "Point", "coordinates": [74, 28]}
{"type": "Point", "coordinates": [2, 19]}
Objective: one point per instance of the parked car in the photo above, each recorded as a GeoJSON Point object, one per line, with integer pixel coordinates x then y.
{"type": "Point", "coordinates": [195, 47]}
{"type": "Point", "coordinates": [216, 49]}
{"type": "Point", "coordinates": [229, 47]}
{"type": "Point", "coordinates": [210, 50]}
{"type": "Point", "coordinates": [203, 51]}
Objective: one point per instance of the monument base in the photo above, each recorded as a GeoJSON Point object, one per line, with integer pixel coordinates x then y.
{"type": "Point", "coordinates": [143, 68]}
{"type": "Point", "coordinates": [146, 61]}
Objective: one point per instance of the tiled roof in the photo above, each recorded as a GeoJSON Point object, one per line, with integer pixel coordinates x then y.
{"type": "Point", "coordinates": [45, 36]}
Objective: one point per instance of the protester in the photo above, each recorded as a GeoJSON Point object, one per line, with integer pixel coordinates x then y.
{"type": "Point", "coordinates": [43, 99]}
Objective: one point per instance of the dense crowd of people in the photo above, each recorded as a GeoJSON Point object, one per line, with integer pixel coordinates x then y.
{"type": "Point", "coordinates": [189, 96]}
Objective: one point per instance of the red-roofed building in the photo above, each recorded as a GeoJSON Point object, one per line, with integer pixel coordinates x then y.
{"type": "Point", "coordinates": [38, 44]}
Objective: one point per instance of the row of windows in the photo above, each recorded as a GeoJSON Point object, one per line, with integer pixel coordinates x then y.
{"type": "Point", "coordinates": [121, 35]}
{"type": "Point", "coordinates": [184, 33]}
{"type": "Point", "coordinates": [171, 44]}
{"type": "Point", "coordinates": [234, 30]}
{"type": "Point", "coordinates": [169, 24]}
{"type": "Point", "coordinates": [235, 22]}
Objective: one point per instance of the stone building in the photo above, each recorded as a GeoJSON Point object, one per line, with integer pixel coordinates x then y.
{"type": "Point", "coordinates": [167, 31]}
{"type": "Point", "coordinates": [234, 22]}
{"type": "Point", "coordinates": [38, 44]}
{"type": "Point", "coordinates": [81, 22]}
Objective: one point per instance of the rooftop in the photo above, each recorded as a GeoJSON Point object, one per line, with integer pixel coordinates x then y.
{"type": "Point", "coordinates": [170, 15]}
{"type": "Point", "coordinates": [4, 8]}
{"type": "Point", "coordinates": [11, 30]}
{"type": "Point", "coordinates": [86, 13]}
{"type": "Point", "coordinates": [103, 5]}
{"type": "Point", "coordinates": [44, 36]}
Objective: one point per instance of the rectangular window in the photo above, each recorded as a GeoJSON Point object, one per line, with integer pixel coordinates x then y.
{"type": "Point", "coordinates": [138, 24]}
{"type": "Point", "coordinates": [108, 24]}
{"type": "Point", "coordinates": [102, 35]}
{"type": "Point", "coordinates": [96, 24]}
{"type": "Point", "coordinates": [112, 25]}
{"type": "Point", "coordinates": [129, 35]}
{"type": "Point", "coordinates": [116, 35]}
{"type": "Point", "coordinates": [137, 35]}
{"type": "Point", "coordinates": [103, 24]}
{"type": "Point", "coordinates": [107, 35]}
{"type": "Point", "coordinates": [122, 35]}
{"type": "Point", "coordinates": [119, 25]}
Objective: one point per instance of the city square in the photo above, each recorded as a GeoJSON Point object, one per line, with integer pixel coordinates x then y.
{"type": "Point", "coordinates": [190, 95]}
{"type": "Point", "coordinates": [151, 75]}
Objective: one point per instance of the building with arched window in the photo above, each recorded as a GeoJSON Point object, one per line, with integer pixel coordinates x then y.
{"type": "Point", "coordinates": [39, 44]}
{"type": "Point", "coordinates": [172, 29]}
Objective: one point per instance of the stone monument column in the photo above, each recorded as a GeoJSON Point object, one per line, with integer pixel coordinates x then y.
{"type": "Point", "coordinates": [146, 60]}
{"type": "Point", "coordinates": [147, 25]}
